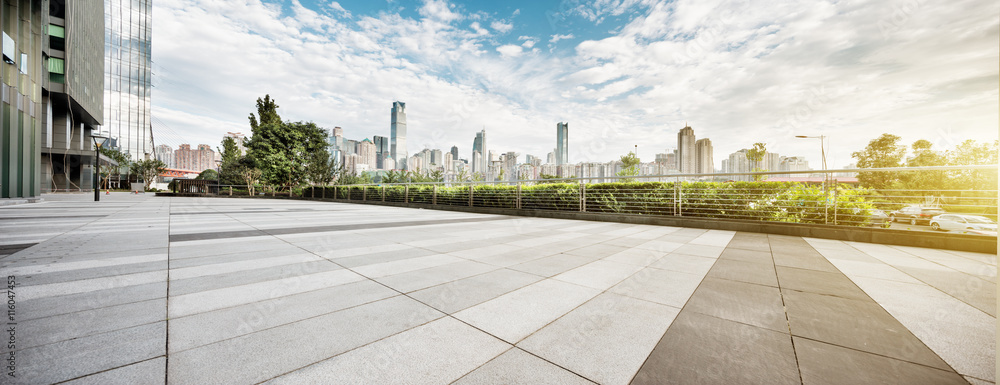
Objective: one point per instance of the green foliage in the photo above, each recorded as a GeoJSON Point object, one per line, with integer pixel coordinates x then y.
{"type": "Point", "coordinates": [229, 168]}
{"type": "Point", "coordinates": [971, 152]}
{"type": "Point", "coordinates": [148, 169]}
{"type": "Point", "coordinates": [630, 165]}
{"type": "Point", "coordinates": [345, 177]}
{"type": "Point", "coordinates": [267, 113]}
{"type": "Point", "coordinates": [755, 156]}
{"type": "Point", "coordinates": [122, 161]}
{"type": "Point", "coordinates": [209, 174]}
{"type": "Point", "coordinates": [394, 176]}
{"type": "Point", "coordinates": [884, 151]}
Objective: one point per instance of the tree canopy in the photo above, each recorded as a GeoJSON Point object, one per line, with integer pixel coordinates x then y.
{"type": "Point", "coordinates": [286, 153]}
{"type": "Point", "coordinates": [630, 164]}
{"type": "Point", "coordinates": [884, 151]}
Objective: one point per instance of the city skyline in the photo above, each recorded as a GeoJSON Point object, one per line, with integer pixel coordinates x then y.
{"type": "Point", "coordinates": [629, 74]}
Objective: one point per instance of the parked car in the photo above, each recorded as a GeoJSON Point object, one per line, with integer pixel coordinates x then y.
{"type": "Point", "coordinates": [878, 218]}
{"type": "Point", "coordinates": [916, 215]}
{"type": "Point", "coordinates": [965, 223]}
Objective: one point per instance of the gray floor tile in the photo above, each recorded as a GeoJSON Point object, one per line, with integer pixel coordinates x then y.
{"type": "Point", "coordinates": [749, 272]}
{"type": "Point", "coordinates": [63, 327]}
{"type": "Point", "coordinates": [741, 302]}
{"type": "Point", "coordinates": [588, 340]}
{"type": "Point", "coordinates": [661, 286]}
{"type": "Point", "coordinates": [819, 282]}
{"type": "Point", "coordinates": [859, 325]}
{"type": "Point", "coordinates": [700, 349]}
{"type": "Point", "coordinates": [226, 362]}
{"type": "Point", "coordinates": [822, 363]}
{"type": "Point", "coordinates": [685, 263]}
{"type": "Point", "coordinates": [149, 372]}
{"type": "Point", "coordinates": [738, 254]}
{"type": "Point", "coordinates": [424, 278]}
{"type": "Point", "coordinates": [435, 353]}
{"type": "Point", "coordinates": [515, 367]}
{"type": "Point", "coordinates": [552, 265]}
{"type": "Point", "coordinates": [454, 296]}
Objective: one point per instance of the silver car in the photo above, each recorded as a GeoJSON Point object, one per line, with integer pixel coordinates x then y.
{"type": "Point", "coordinates": [973, 224]}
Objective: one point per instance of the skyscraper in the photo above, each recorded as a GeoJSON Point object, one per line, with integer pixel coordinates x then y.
{"type": "Point", "coordinates": [687, 156]}
{"type": "Point", "coordinates": [398, 135]}
{"type": "Point", "coordinates": [381, 151]}
{"type": "Point", "coordinates": [479, 146]}
{"type": "Point", "coordinates": [367, 154]}
{"type": "Point", "coordinates": [127, 74]}
{"type": "Point", "coordinates": [73, 108]}
{"type": "Point", "coordinates": [165, 154]}
{"type": "Point", "coordinates": [454, 152]}
{"type": "Point", "coordinates": [562, 143]}
{"type": "Point", "coordinates": [703, 154]}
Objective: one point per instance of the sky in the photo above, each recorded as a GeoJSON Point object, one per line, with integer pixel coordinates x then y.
{"type": "Point", "coordinates": [622, 73]}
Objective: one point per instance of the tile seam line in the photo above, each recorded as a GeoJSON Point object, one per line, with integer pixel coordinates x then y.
{"type": "Point", "coordinates": [910, 332]}
{"type": "Point", "coordinates": [91, 335]}
{"type": "Point", "coordinates": [784, 306]}
{"type": "Point", "coordinates": [644, 361]}
{"type": "Point", "coordinates": [879, 354]}
{"type": "Point", "coordinates": [73, 229]}
{"type": "Point", "coordinates": [106, 370]}
{"type": "Point", "coordinates": [411, 298]}
{"type": "Point", "coordinates": [166, 300]}
{"type": "Point", "coordinates": [918, 279]}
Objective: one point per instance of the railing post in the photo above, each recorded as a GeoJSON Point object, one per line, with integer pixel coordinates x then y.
{"type": "Point", "coordinates": [230, 190]}
{"type": "Point", "coordinates": [836, 192]}
{"type": "Point", "coordinates": [406, 194]}
{"type": "Point", "coordinates": [519, 195]}
{"type": "Point", "coordinates": [470, 194]}
{"type": "Point", "coordinates": [383, 193]}
{"type": "Point", "coordinates": [323, 194]}
{"type": "Point", "coordinates": [583, 197]}
{"type": "Point", "coordinates": [678, 198]}
{"type": "Point", "coordinates": [335, 196]}
{"type": "Point", "coordinates": [364, 193]}
{"type": "Point", "coordinates": [826, 202]}
{"type": "Point", "coordinates": [434, 197]}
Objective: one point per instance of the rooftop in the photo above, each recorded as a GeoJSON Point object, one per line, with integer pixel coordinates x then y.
{"type": "Point", "coordinates": [144, 289]}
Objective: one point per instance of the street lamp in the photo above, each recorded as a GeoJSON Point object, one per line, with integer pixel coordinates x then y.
{"type": "Point", "coordinates": [822, 146]}
{"type": "Point", "coordinates": [97, 161]}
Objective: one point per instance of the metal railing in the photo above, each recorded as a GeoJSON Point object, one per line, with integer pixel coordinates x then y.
{"type": "Point", "coordinates": [824, 200]}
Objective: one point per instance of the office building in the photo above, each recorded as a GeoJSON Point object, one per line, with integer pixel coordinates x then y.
{"type": "Point", "coordinates": [703, 156]}
{"type": "Point", "coordinates": [72, 97]}
{"type": "Point", "coordinates": [454, 152]}
{"type": "Point", "coordinates": [381, 151]}
{"type": "Point", "coordinates": [687, 158]}
{"type": "Point", "coordinates": [562, 143]}
{"type": "Point", "coordinates": [200, 159]}
{"type": "Point", "coordinates": [437, 157]}
{"type": "Point", "coordinates": [550, 158]}
{"type": "Point", "coordinates": [793, 163]}
{"type": "Point", "coordinates": [22, 76]}
{"type": "Point", "coordinates": [128, 74]}
{"type": "Point", "coordinates": [739, 163]}
{"type": "Point", "coordinates": [479, 146]}
{"type": "Point", "coordinates": [397, 135]}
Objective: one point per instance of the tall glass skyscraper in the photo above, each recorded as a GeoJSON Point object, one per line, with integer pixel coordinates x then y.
{"type": "Point", "coordinates": [397, 135]}
{"type": "Point", "coordinates": [562, 143]}
{"type": "Point", "coordinates": [127, 75]}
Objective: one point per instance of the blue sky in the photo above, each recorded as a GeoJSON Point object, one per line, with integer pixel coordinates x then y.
{"type": "Point", "coordinates": [621, 72]}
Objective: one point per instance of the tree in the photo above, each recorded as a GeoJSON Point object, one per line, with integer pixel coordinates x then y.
{"type": "Point", "coordinates": [249, 174]}
{"type": "Point", "coordinates": [320, 169]}
{"type": "Point", "coordinates": [630, 165]}
{"type": "Point", "coordinates": [148, 169]}
{"type": "Point", "coordinates": [209, 174]}
{"type": "Point", "coordinates": [229, 168]}
{"type": "Point", "coordinates": [923, 156]}
{"type": "Point", "coordinates": [971, 152]}
{"type": "Point", "coordinates": [755, 156]}
{"type": "Point", "coordinates": [267, 113]}
{"type": "Point", "coordinates": [394, 176]}
{"type": "Point", "coordinates": [883, 151]}
{"type": "Point", "coordinates": [122, 161]}
{"type": "Point", "coordinates": [284, 151]}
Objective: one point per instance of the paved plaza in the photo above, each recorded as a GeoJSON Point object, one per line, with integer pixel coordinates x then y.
{"type": "Point", "coordinates": [138, 289]}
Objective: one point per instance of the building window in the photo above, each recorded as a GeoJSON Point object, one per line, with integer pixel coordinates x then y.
{"type": "Point", "coordinates": [57, 37]}
{"type": "Point", "coordinates": [8, 49]}
{"type": "Point", "coordinates": [57, 70]}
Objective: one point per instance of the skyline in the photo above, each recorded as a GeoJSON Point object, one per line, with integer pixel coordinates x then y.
{"type": "Point", "coordinates": [620, 79]}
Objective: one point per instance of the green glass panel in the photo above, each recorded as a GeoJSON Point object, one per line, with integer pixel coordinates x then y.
{"type": "Point", "coordinates": [57, 66]}
{"type": "Point", "coordinates": [57, 78]}
{"type": "Point", "coordinates": [57, 31]}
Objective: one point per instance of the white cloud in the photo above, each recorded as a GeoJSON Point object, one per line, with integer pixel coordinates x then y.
{"type": "Point", "coordinates": [337, 7]}
{"type": "Point", "coordinates": [510, 50]}
{"type": "Point", "coordinates": [555, 38]}
{"type": "Point", "coordinates": [501, 27]}
{"type": "Point", "coordinates": [737, 74]}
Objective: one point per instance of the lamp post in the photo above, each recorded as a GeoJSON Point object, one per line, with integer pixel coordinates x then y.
{"type": "Point", "coordinates": [97, 171]}
{"type": "Point", "coordinates": [822, 145]}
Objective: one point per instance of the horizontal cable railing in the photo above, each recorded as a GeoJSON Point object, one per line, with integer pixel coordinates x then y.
{"type": "Point", "coordinates": [825, 200]}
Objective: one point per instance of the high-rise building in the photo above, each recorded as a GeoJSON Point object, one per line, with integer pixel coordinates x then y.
{"type": "Point", "coordinates": [687, 155]}
{"type": "Point", "coordinates": [198, 160]}
{"type": "Point", "coordinates": [479, 145]}
{"type": "Point", "coordinates": [239, 138]}
{"type": "Point", "coordinates": [367, 154]}
{"type": "Point", "coordinates": [793, 163]}
{"type": "Point", "coordinates": [381, 151]}
{"type": "Point", "coordinates": [437, 157]}
{"type": "Point", "coordinates": [127, 74]}
{"type": "Point", "coordinates": [397, 135]}
{"type": "Point", "coordinates": [704, 164]}
{"type": "Point", "coordinates": [22, 75]}
{"type": "Point", "coordinates": [454, 152]}
{"type": "Point", "coordinates": [165, 154]}
{"type": "Point", "coordinates": [738, 162]}
{"type": "Point", "coordinates": [550, 158]}
{"type": "Point", "coordinates": [72, 109]}
{"type": "Point", "coordinates": [562, 143]}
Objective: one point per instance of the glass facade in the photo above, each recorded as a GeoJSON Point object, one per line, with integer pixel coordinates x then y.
{"type": "Point", "coordinates": [562, 143]}
{"type": "Point", "coordinates": [128, 75]}
{"type": "Point", "coordinates": [21, 77]}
